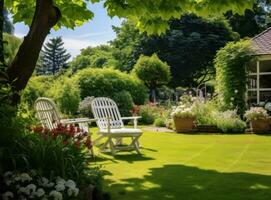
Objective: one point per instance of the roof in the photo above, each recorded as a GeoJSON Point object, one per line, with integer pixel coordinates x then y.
{"type": "Point", "coordinates": [262, 42]}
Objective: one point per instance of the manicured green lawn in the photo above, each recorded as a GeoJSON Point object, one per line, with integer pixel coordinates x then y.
{"type": "Point", "coordinates": [190, 167]}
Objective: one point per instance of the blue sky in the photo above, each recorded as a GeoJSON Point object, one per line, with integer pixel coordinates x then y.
{"type": "Point", "coordinates": [95, 32]}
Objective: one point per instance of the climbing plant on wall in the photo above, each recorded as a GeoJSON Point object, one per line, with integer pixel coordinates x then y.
{"type": "Point", "coordinates": [231, 75]}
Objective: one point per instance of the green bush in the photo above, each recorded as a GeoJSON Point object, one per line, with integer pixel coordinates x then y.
{"type": "Point", "coordinates": [160, 122]}
{"type": "Point", "coordinates": [152, 71]}
{"type": "Point", "coordinates": [108, 83]}
{"type": "Point", "coordinates": [231, 76]}
{"type": "Point", "coordinates": [229, 122]}
{"type": "Point", "coordinates": [124, 101]}
{"type": "Point", "coordinates": [149, 113]}
{"type": "Point", "coordinates": [37, 86]}
{"type": "Point", "coordinates": [65, 92]}
{"type": "Point", "coordinates": [204, 113]}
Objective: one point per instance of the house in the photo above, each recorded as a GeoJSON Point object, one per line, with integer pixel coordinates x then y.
{"type": "Point", "coordinates": [259, 87]}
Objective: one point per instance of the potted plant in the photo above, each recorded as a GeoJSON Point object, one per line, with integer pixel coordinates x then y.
{"type": "Point", "coordinates": [258, 118]}
{"type": "Point", "coordinates": [183, 119]}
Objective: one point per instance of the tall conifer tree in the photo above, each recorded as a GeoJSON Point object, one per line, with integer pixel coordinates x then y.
{"type": "Point", "coordinates": [54, 57]}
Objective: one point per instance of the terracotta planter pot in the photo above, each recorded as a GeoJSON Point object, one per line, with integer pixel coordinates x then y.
{"type": "Point", "coordinates": [262, 125]}
{"type": "Point", "coordinates": [184, 124]}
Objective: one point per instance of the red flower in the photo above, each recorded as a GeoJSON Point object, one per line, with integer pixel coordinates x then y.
{"type": "Point", "coordinates": [77, 143]}
{"type": "Point", "coordinates": [88, 143]}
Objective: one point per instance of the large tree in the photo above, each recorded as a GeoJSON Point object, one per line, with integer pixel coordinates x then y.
{"type": "Point", "coordinates": [54, 57]}
{"type": "Point", "coordinates": [189, 47]}
{"type": "Point", "coordinates": [252, 21]}
{"type": "Point", "coordinates": [41, 15]}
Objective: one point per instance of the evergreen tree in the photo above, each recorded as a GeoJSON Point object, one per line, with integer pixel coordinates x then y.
{"type": "Point", "coordinates": [54, 57]}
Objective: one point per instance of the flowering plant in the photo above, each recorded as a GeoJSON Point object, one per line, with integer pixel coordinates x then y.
{"type": "Point", "coordinates": [256, 113]}
{"type": "Point", "coordinates": [135, 110]}
{"type": "Point", "coordinates": [69, 134]}
{"type": "Point", "coordinates": [22, 186]}
{"type": "Point", "coordinates": [183, 112]}
{"type": "Point", "coordinates": [185, 109]}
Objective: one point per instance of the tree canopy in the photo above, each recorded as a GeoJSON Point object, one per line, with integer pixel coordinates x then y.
{"type": "Point", "coordinates": [151, 16]}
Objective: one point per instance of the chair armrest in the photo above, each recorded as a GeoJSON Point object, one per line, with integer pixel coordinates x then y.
{"type": "Point", "coordinates": [135, 118]}
{"type": "Point", "coordinates": [129, 118]}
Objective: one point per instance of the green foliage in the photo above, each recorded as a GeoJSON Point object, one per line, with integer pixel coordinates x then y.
{"type": "Point", "coordinates": [160, 122]}
{"type": "Point", "coordinates": [152, 71]}
{"type": "Point", "coordinates": [62, 90]}
{"type": "Point", "coordinates": [231, 75]}
{"type": "Point", "coordinates": [205, 113]}
{"type": "Point", "coordinates": [107, 82]}
{"type": "Point", "coordinates": [150, 112]}
{"type": "Point", "coordinates": [227, 121]}
{"type": "Point", "coordinates": [126, 41]}
{"type": "Point", "coordinates": [253, 21]}
{"type": "Point", "coordinates": [124, 101]}
{"type": "Point", "coordinates": [11, 47]}
{"type": "Point", "coordinates": [151, 16]}
{"type": "Point", "coordinates": [37, 86]}
{"type": "Point", "coordinates": [54, 57]}
{"type": "Point", "coordinates": [189, 47]}
{"type": "Point", "coordinates": [66, 94]}
{"type": "Point", "coordinates": [95, 57]}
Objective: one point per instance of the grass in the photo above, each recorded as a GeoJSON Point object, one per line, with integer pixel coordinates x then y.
{"type": "Point", "coordinates": [191, 167]}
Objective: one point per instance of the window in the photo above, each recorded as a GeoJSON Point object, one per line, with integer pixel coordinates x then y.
{"type": "Point", "coordinates": [259, 81]}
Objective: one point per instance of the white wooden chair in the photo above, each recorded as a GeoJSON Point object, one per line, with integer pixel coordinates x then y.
{"type": "Point", "coordinates": [110, 124]}
{"type": "Point", "coordinates": [49, 116]}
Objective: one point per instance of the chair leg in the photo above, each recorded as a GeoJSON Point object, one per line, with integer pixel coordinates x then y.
{"type": "Point", "coordinates": [135, 143]}
{"type": "Point", "coordinates": [112, 146]}
{"type": "Point", "coordinates": [103, 147]}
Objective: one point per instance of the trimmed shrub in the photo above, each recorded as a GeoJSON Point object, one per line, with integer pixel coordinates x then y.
{"type": "Point", "coordinates": [124, 101]}
{"type": "Point", "coordinates": [152, 71]}
{"type": "Point", "coordinates": [108, 83]}
{"type": "Point", "coordinates": [231, 75]}
{"type": "Point", "coordinates": [160, 122]}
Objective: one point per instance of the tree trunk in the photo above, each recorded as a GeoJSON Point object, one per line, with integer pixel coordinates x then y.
{"type": "Point", "coordinates": [153, 96]}
{"type": "Point", "coordinates": [45, 17]}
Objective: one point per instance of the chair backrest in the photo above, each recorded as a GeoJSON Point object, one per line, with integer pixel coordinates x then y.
{"type": "Point", "coordinates": [104, 108]}
{"type": "Point", "coordinates": [47, 113]}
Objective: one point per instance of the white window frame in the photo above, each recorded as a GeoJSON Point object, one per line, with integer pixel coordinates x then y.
{"type": "Point", "coordinates": [258, 74]}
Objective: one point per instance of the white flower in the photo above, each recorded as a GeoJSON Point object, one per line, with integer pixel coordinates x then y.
{"type": "Point", "coordinates": [8, 173]}
{"type": "Point", "coordinates": [30, 189]}
{"type": "Point", "coordinates": [25, 177]}
{"type": "Point", "coordinates": [70, 192]}
{"type": "Point", "coordinates": [235, 91]}
{"type": "Point", "coordinates": [60, 180]}
{"type": "Point", "coordinates": [40, 192]}
{"type": "Point", "coordinates": [70, 183]}
{"type": "Point", "coordinates": [232, 98]}
{"type": "Point", "coordinates": [73, 191]}
{"type": "Point", "coordinates": [44, 182]}
{"type": "Point", "coordinates": [57, 195]}
{"type": "Point", "coordinates": [60, 187]}
{"type": "Point", "coordinates": [76, 191]}
{"type": "Point", "coordinates": [8, 182]}
{"type": "Point", "coordinates": [7, 195]}
{"type": "Point", "coordinates": [22, 190]}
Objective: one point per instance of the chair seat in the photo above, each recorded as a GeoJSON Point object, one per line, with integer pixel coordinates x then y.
{"type": "Point", "coordinates": [134, 131]}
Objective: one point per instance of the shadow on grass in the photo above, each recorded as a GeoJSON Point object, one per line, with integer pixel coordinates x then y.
{"type": "Point", "coordinates": [191, 183]}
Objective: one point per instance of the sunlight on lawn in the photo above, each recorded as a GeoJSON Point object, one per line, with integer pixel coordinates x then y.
{"type": "Point", "coordinates": [178, 166]}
